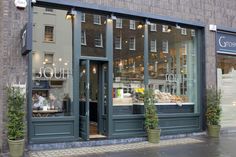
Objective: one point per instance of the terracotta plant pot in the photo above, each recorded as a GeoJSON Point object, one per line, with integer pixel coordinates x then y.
{"type": "Point", "coordinates": [16, 147]}
{"type": "Point", "coordinates": [213, 130]}
{"type": "Point", "coordinates": [154, 135]}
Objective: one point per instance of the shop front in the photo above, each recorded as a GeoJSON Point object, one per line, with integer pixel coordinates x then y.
{"type": "Point", "coordinates": [89, 68]}
{"type": "Point", "coordinates": [226, 76]}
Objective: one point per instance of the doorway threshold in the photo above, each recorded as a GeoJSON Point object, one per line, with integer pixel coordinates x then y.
{"type": "Point", "coordinates": [96, 136]}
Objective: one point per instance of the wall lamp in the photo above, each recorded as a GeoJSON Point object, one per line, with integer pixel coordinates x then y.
{"type": "Point", "coordinates": [70, 14]}
{"type": "Point", "coordinates": [140, 25]}
{"type": "Point", "coordinates": [111, 17]}
{"type": "Point", "coordinates": [169, 29]}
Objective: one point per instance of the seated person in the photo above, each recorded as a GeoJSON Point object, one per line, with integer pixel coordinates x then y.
{"type": "Point", "coordinates": [38, 101]}
{"type": "Point", "coordinates": [55, 104]}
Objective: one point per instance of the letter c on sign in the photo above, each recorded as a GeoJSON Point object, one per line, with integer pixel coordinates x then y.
{"type": "Point", "coordinates": [222, 43]}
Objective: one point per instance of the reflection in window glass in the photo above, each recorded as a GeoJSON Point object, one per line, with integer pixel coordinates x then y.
{"type": "Point", "coordinates": [173, 67]}
{"type": "Point", "coordinates": [226, 82]}
{"type": "Point", "coordinates": [128, 68]}
{"type": "Point", "coordinates": [97, 19]}
{"type": "Point", "coordinates": [153, 27]}
{"type": "Point", "coordinates": [132, 24]}
{"type": "Point", "coordinates": [153, 46]}
{"type": "Point", "coordinates": [52, 65]}
{"type": "Point", "coordinates": [48, 33]}
{"type": "Point", "coordinates": [83, 37]}
{"type": "Point", "coordinates": [119, 23]}
{"type": "Point", "coordinates": [82, 17]}
{"type": "Point", "coordinates": [118, 42]}
{"type": "Point", "coordinates": [132, 43]}
{"type": "Point", "coordinates": [94, 35]}
{"type": "Point", "coordinates": [98, 40]}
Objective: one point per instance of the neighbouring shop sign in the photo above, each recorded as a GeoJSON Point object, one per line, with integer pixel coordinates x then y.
{"type": "Point", "coordinates": [26, 39]}
{"type": "Point", "coordinates": [225, 43]}
{"type": "Point", "coordinates": [21, 4]}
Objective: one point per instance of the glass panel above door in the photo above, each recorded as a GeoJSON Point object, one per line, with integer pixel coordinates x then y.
{"type": "Point", "coordinates": [93, 35]}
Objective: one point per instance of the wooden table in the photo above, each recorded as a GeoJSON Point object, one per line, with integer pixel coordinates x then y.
{"type": "Point", "coordinates": [44, 113]}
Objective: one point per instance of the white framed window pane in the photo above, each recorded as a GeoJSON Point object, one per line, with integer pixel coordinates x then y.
{"type": "Point", "coordinates": [83, 17]}
{"type": "Point", "coordinates": [193, 33]}
{"type": "Point", "coordinates": [118, 42]}
{"type": "Point", "coordinates": [183, 31]}
{"type": "Point", "coordinates": [132, 24]}
{"type": "Point", "coordinates": [98, 40]}
{"type": "Point", "coordinates": [165, 46]}
{"type": "Point", "coordinates": [48, 58]}
{"type": "Point", "coordinates": [97, 19]}
{"type": "Point", "coordinates": [153, 27]}
{"type": "Point", "coordinates": [48, 9]}
{"type": "Point", "coordinates": [153, 46]}
{"type": "Point", "coordinates": [48, 33]}
{"type": "Point", "coordinates": [118, 23]}
{"type": "Point", "coordinates": [132, 43]}
{"type": "Point", "coordinates": [83, 37]}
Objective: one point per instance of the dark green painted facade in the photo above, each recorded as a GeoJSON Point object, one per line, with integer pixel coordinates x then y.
{"type": "Point", "coordinates": [75, 127]}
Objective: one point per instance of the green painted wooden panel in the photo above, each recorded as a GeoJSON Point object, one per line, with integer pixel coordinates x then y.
{"type": "Point", "coordinates": [82, 126]}
{"type": "Point", "coordinates": [53, 129]}
{"type": "Point", "coordinates": [133, 125]}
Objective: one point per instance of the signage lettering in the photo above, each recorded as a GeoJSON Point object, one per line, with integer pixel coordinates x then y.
{"type": "Point", "coordinates": [21, 4]}
{"type": "Point", "coordinates": [226, 43]}
{"type": "Point", "coordinates": [49, 73]}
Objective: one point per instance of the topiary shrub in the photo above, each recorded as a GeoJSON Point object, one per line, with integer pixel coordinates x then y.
{"type": "Point", "coordinates": [15, 113]}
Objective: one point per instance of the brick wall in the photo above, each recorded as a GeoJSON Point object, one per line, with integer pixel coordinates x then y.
{"type": "Point", "coordinates": [13, 67]}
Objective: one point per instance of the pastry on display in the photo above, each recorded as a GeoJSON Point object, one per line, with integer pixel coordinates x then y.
{"type": "Point", "coordinates": [163, 97]}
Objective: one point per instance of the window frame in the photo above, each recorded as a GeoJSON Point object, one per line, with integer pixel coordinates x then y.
{"type": "Point", "coordinates": [134, 42]}
{"type": "Point", "coordinates": [120, 23]}
{"type": "Point", "coordinates": [151, 27]}
{"type": "Point", "coordinates": [101, 41]}
{"type": "Point", "coordinates": [132, 24]}
{"type": "Point", "coordinates": [184, 31]}
{"type": "Point", "coordinates": [97, 17]}
{"type": "Point", "coordinates": [120, 43]}
{"type": "Point", "coordinates": [155, 45]}
{"type": "Point", "coordinates": [83, 34]}
{"type": "Point", "coordinates": [83, 17]}
{"type": "Point", "coordinates": [53, 34]}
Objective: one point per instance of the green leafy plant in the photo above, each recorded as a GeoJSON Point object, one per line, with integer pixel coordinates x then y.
{"type": "Point", "coordinates": [151, 118]}
{"type": "Point", "coordinates": [213, 112]}
{"type": "Point", "coordinates": [15, 101]}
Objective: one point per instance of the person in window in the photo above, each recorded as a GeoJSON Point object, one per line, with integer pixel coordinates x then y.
{"type": "Point", "coordinates": [39, 101]}
{"type": "Point", "coordinates": [55, 104]}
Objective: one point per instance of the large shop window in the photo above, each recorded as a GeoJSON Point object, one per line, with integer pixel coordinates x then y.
{"type": "Point", "coordinates": [95, 28]}
{"type": "Point", "coordinates": [128, 66]}
{"type": "Point", "coordinates": [172, 68]}
{"type": "Point", "coordinates": [226, 79]}
{"type": "Point", "coordinates": [52, 65]}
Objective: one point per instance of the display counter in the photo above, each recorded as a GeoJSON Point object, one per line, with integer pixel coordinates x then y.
{"type": "Point", "coordinates": [187, 107]}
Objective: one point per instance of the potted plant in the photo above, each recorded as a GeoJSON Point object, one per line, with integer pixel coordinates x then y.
{"type": "Point", "coordinates": [151, 118]}
{"type": "Point", "coordinates": [15, 126]}
{"type": "Point", "coordinates": [213, 112]}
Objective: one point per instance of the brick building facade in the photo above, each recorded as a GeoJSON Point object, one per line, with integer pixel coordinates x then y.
{"type": "Point", "coordinates": [14, 65]}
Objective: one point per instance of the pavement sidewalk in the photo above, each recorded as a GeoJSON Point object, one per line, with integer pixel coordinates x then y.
{"type": "Point", "coordinates": [197, 146]}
